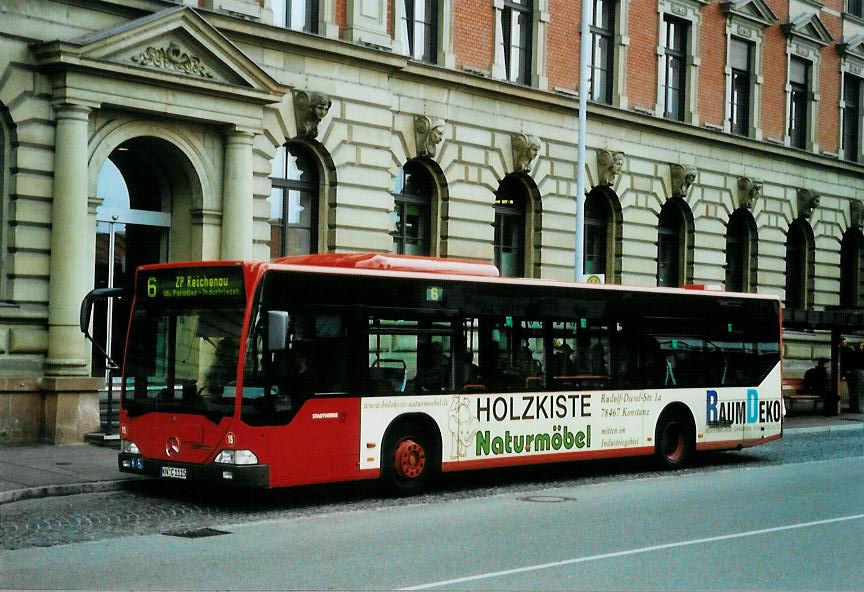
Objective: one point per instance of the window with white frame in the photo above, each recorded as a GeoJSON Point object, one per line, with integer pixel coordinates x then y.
{"type": "Point", "coordinates": [852, 110]}
{"type": "Point", "coordinates": [297, 15]}
{"type": "Point", "coordinates": [799, 86]}
{"type": "Point", "coordinates": [806, 35]}
{"type": "Point", "coordinates": [678, 59]}
{"type": "Point", "coordinates": [420, 29]}
{"type": "Point", "coordinates": [516, 25]}
{"type": "Point", "coordinates": [740, 62]}
{"type": "Point", "coordinates": [675, 68]}
{"type": "Point", "coordinates": [855, 8]}
{"type": "Point", "coordinates": [746, 22]}
{"type": "Point", "coordinates": [602, 68]}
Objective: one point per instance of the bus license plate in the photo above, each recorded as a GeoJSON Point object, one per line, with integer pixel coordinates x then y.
{"type": "Point", "coordinates": [174, 472]}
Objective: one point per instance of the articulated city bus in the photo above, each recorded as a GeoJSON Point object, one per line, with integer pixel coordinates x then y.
{"type": "Point", "coordinates": [327, 368]}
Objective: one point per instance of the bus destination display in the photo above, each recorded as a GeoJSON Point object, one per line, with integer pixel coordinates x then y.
{"type": "Point", "coordinates": [202, 282]}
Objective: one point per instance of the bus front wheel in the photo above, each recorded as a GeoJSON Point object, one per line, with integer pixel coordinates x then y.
{"type": "Point", "coordinates": [675, 441]}
{"type": "Point", "coordinates": [409, 461]}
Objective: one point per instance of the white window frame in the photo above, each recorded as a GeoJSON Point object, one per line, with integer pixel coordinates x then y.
{"type": "Point", "coordinates": [852, 63]}
{"type": "Point", "coordinates": [446, 55]}
{"type": "Point", "coordinates": [747, 20]}
{"type": "Point", "coordinates": [539, 75]}
{"type": "Point", "coordinates": [690, 11]}
{"type": "Point", "coordinates": [806, 35]}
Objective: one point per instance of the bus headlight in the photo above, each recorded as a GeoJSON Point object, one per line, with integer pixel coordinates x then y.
{"type": "Point", "coordinates": [236, 457]}
{"type": "Point", "coordinates": [129, 447]}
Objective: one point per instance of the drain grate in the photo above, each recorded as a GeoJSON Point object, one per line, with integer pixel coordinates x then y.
{"type": "Point", "coordinates": [195, 534]}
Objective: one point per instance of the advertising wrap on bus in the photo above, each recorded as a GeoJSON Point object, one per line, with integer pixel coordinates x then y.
{"type": "Point", "coordinates": [503, 429]}
{"type": "Point", "coordinates": [349, 367]}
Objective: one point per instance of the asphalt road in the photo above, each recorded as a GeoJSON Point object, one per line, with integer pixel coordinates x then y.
{"type": "Point", "coordinates": [789, 515]}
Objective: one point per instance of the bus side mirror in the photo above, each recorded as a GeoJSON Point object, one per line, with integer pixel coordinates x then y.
{"type": "Point", "coordinates": [278, 322]}
{"type": "Point", "coordinates": [87, 311]}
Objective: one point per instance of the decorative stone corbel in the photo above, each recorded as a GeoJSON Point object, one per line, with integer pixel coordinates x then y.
{"type": "Point", "coordinates": [609, 166]}
{"type": "Point", "coordinates": [428, 133]}
{"type": "Point", "coordinates": [525, 150]}
{"type": "Point", "coordinates": [856, 213]}
{"type": "Point", "coordinates": [309, 110]}
{"type": "Point", "coordinates": [682, 178]}
{"type": "Point", "coordinates": [808, 201]}
{"type": "Point", "coordinates": [749, 191]}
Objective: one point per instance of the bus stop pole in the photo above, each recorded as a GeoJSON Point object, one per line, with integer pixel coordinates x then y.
{"type": "Point", "coordinates": [835, 373]}
{"type": "Point", "coordinates": [584, 56]}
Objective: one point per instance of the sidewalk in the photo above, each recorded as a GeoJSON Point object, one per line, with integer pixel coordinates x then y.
{"type": "Point", "coordinates": [29, 472]}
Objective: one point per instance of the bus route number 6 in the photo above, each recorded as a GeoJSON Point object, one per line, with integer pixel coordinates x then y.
{"type": "Point", "coordinates": [151, 287]}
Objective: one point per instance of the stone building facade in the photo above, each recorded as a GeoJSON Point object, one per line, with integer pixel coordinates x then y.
{"type": "Point", "coordinates": [724, 147]}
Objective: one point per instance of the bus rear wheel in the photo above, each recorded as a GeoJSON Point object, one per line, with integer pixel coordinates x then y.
{"type": "Point", "coordinates": [675, 442]}
{"type": "Point", "coordinates": [409, 461]}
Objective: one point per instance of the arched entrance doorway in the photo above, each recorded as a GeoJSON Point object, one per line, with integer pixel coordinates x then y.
{"type": "Point", "coordinates": [144, 189]}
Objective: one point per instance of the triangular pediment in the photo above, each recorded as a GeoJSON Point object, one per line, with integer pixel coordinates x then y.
{"type": "Point", "coordinates": [756, 11]}
{"type": "Point", "coordinates": [177, 42]}
{"type": "Point", "coordinates": [809, 27]}
{"type": "Point", "coordinates": [852, 47]}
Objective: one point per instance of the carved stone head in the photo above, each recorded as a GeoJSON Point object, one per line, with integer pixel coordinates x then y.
{"type": "Point", "coordinates": [525, 150]}
{"type": "Point", "coordinates": [808, 201]}
{"type": "Point", "coordinates": [609, 166]}
{"type": "Point", "coordinates": [682, 179]}
{"type": "Point", "coordinates": [428, 133]}
{"type": "Point", "coordinates": [309, 110]}
{"type": "Point", "coordinates": [749, 191]}
{"type": "Point", "coordinates": [856, 213]}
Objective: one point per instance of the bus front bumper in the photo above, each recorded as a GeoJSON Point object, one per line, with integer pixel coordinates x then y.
{"type": "Point", "coordinates": [257, 476]}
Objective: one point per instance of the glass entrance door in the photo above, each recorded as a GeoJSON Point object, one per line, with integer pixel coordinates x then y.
{"type": "Point", "coordinates": [125, 239]}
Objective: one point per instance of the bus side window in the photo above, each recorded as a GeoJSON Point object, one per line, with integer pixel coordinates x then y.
{"type": "Point", "coordinates": [409, 356]}
{"type": "Point", "coordinates": [512, 354]}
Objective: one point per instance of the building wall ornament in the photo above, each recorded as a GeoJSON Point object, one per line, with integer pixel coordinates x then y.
{"type": "Point", "coordinates": [749, 190]}
{"type": "Point", "coordinates": [172, 58]}
{"type": "Point", "coordinates": [309, 110]}
{"type": "Point", "coordinates": [682, 179]}
{"type": "Point", "coordinates": [609, 166]}
{"type": "Point", "coordinates": [808, 201]}
{"type": "Point", "coordinates": [428, 134]}
{"type": "Point", "coordinates": [525, 150]}
{"type": "Point", "coordinates": [856, 213]}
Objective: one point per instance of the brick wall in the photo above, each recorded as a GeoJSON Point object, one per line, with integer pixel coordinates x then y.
{"type": "Point", "coordinates": [562, 58]}
{"type": "Point", "coordinates": [712, 76]}
{"type": "Point", "coordinates": [642, 55]}
{"type": "Point", "coordinates": [829, 84]}
{"type": "Point", "coordinates": [474, 33]}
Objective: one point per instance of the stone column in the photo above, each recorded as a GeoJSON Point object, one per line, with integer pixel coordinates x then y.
{"type": "Point", "coordinates": [237, 196]}
{"type": "Point", "coordinates": [70, 268]}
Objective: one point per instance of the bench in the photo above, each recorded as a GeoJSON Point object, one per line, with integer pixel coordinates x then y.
{"type": "Point", "coordinates": [793, 390]}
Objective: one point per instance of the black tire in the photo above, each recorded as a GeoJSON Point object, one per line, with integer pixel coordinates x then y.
{"type": "Point", "coordinates": [675, 441]}
{"type": "Point", "coordinates": [410, 461]}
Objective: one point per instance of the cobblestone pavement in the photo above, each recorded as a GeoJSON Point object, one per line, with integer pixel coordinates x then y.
{"type": "Point", "coordinates": [160, 507]}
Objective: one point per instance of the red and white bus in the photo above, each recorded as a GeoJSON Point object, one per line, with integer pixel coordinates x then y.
{"type": "Point", "coordinates": [327, 368]}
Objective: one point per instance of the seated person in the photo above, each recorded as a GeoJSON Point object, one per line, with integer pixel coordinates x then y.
{"type": "Point", "coordinates": [816, 383]}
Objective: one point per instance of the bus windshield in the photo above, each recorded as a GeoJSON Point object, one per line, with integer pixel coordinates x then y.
{"type": "Point", "coordinates": [183, 359]}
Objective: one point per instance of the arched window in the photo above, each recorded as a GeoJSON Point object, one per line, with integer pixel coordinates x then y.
{"type": "Point", "coordinates": [413, 193]}
{"type": "Point", "coordinates": [670, 245]}
{"type": "Point", "coordinates": [598, 217]}
{"type": "Point", "coordinates": [511, 202]}
{"type": "Point", "coordinates": [852, 269]}
{"type": "Point", "coordinates": [294, 202]}
{"type": "Point", "coordinates": [741, 245]}
{"type": "Point", "coordinates": [799, 264]}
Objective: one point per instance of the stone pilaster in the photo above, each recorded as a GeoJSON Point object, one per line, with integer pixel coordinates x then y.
{"type": "Point", "coordinates": [237, 196]}
{"type": "Point", "coordinates": [71, 272]}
